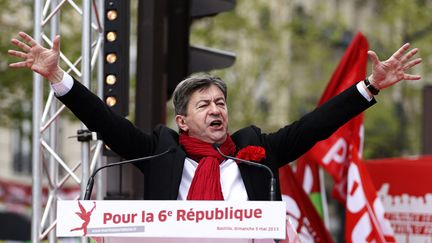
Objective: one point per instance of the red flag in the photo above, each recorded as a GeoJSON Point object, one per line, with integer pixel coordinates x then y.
{"type": "Point", "coordinates": [300, 210]}
{"type": "Point", "coordinates": [365, 221]}
{"type": "Point", "coordinates": [333, 152]}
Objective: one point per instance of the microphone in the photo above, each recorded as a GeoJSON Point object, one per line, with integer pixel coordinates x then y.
{"type": "Point", "coordinates": [272, 178]}
{"type": "Point", "coordinates": [90, 181]}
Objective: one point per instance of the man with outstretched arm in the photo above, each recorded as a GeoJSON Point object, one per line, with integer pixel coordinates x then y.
{"type": "Point", "coordinates": [195, 170]}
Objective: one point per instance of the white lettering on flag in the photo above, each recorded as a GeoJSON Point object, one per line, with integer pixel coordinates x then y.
{"type": "Point", "coordinates": [337, 152]}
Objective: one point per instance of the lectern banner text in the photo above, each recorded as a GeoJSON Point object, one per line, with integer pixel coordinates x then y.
{"type": "Point", "coordinates": [210, 219]}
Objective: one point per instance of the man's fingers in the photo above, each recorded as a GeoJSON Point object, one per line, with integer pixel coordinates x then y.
{"type": "Point", "coordinates": [411, 77]}
{"type": "Point", "coordinates": [399, 53]}
{"type": "Point", "coordinates": [18, 65]}
{"type": "Point", "coordinates": [27, 38]}
{"type": "Point", "coordinates": [17, 54]}
{"type": "Point", "coordinates": [373, 56]}
{"type": "Point", "coordinates": [410, 54]}
{"type": "Point", "coordinates": [56, 44]}
{"type": "Point", "coordinates": [21, 45]}
{"type": "Point", "coordinates": [411, 63]}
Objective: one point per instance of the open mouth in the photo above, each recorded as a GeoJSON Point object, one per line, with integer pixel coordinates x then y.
{"type": "Point", "coordinates": [216, 123]}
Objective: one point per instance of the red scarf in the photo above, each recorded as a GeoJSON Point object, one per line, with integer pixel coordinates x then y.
{"type": "Point", "coordinates": [206, 181]}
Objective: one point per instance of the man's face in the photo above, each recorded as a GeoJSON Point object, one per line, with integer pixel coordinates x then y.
{"type": "Point", "coordinates": [207, 116]}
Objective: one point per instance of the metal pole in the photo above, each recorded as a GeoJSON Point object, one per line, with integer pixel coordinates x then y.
{"type": "Point", "coordinates": [324, 199]}
{"type": "Point", "coordinates": [100, 185]}
{"type": "Point", "coordinates": [37, 114]}
{"type": "Point", "coordinates": [53, 165]}
{"type": "Point", "coordinates": [86, 79]}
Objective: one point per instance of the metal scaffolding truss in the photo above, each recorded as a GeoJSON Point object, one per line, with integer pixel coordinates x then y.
{"type": "Point", "coordinates": [46, 161]}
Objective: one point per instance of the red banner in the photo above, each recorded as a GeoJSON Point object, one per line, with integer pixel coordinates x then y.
{"type": "Point", "coordinates": [404, 186]}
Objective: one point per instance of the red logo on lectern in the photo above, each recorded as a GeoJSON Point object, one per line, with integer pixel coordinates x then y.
{"type": "Point", "coordinates": [84, 215]}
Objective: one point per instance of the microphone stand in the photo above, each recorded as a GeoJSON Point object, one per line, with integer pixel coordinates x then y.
{"type": "Point", "coordinates": [90, 181]}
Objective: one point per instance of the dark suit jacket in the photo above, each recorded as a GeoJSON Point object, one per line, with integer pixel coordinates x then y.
{"type": "Point", "coordinates": [163, 175]}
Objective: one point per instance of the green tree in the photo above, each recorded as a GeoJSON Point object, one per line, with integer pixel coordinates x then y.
{"type": "Point", "coordinates": [15, 87]}
{"type": "Point", "coordinates": [394, 23]}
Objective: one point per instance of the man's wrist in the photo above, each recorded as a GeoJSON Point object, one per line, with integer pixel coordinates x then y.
{"type": "Point", "coordinates": [371, 87]}
{"type": "Point", "coordinates": [64, 86]}
{"type": "Point", "coordinates": [361, 87]}
{"type": "Point", "coordinates": [56, 76]}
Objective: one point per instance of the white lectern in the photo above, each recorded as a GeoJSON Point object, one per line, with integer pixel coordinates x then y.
{"type": "Point", "coordinates": [173, 221]}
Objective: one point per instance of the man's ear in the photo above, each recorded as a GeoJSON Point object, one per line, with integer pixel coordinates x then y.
{"type": "Point", "coordinates": [181, 123]}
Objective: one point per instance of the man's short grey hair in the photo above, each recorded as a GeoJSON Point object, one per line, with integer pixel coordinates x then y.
{"type": "Point", "coordinates": [187, 87]}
